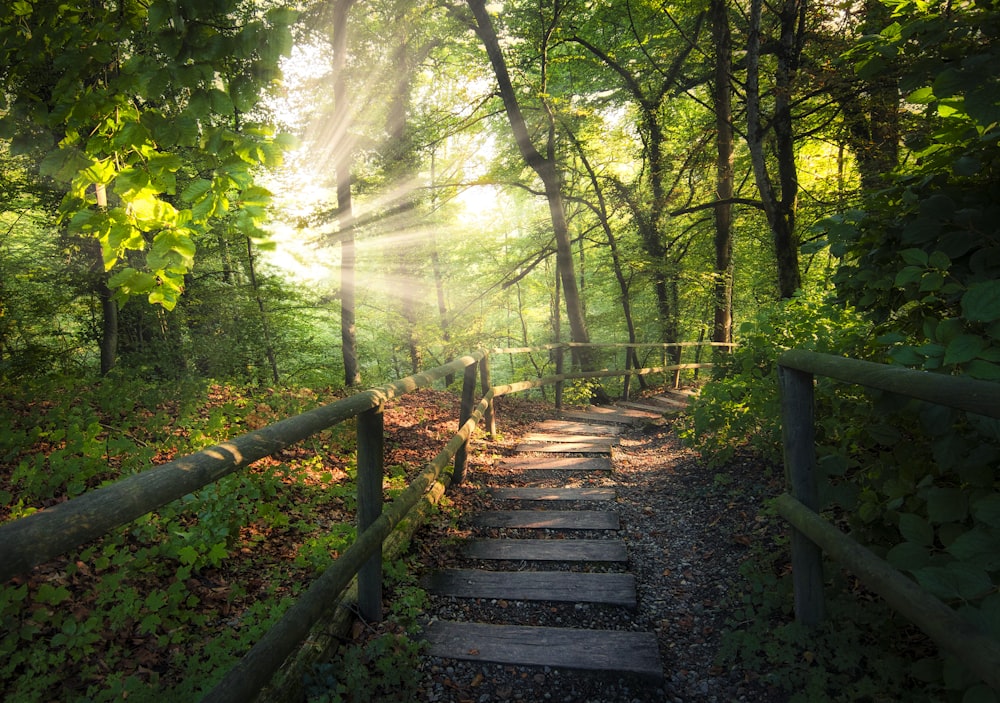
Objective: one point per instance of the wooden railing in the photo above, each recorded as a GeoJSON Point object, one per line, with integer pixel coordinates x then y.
{"type": "Point", "coordinates": [46, 534]}
{"type": "Point", "coordinates": [813, 535]}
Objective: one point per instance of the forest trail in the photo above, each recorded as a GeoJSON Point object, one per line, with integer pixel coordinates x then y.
{"type": "Point", "coordinates": [550, 541]}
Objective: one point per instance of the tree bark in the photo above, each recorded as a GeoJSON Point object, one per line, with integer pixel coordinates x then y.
{"type": "Point", "coordinates": [548, 172]}
{"type": "Point", "coordinates": [722, 330]}
{"type": "Point", "coordinates": [345, 211]}
{"type": "Point", "coordinates": [779, 204]}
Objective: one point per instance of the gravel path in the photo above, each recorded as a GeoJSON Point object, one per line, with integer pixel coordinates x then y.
{"type": "Point", "coordinates": [687, 528]}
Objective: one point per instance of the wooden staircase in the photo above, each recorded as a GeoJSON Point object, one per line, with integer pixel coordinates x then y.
{"type": "Point", "coordinates": [548, 553]}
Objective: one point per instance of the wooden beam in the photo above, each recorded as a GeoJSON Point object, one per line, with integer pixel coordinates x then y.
{"type": "Point", "coordinates": [591, 650]}
{"type": "Point", "coordinates": [555, 586]}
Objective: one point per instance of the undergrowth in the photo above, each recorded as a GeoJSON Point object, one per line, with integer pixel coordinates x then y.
{"type": "Point", "coordinates": [163, 606]}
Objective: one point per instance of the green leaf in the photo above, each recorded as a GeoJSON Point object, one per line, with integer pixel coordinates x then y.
{"type": "Point", "coordinates": [915, 529]}
{"type": "Point", "coordinates": [914, 257]}
{"type": "Point", "coordinates": [963, 348]}
{"type": "Point", "coordinates": [132, 282]}
{"type": "Point", "coordinates": [979, 693]}
{"type": "Point", "coordinates": [52, 595]}
{"type": "Point", "coordinates": [908, 556]}
{"type": "Point", "coordinates": [955, 581]}
{"type": "Point", "coordinates": [187, 555]}
{"type": "Point", "coordinates": [978, 546]}
{"type": "Point", "coordinates": [946, 505]}
{"type": "Point", "coordinates": [981, 302]}
{"type": "Point", "coordinates": [987, 510]}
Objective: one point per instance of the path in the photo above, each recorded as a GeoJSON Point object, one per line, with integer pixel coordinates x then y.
{"type": "Point", "coordinates": [553, 544]}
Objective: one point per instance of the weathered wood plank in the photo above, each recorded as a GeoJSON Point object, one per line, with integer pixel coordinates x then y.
{"type": "Point", "coordinates": [570, 437]}
{"type": "Point", "coordinates": [560, 586]}
{"type": "Point", "coordinates": [585, 416]}
{"type": "Point", "coordinates": [619, 409]}
{"type": "Point", "coordinates": [548, 519]}
{"type": "Point", "coordinates": [562, 463]}
{"type": "Point", "coordinates": [581, 427]}
{"type": "Point", "coordinates": [565, 447]}
{"type": "Point", "coordinates": [589, 650]}
{"type": "Point", "coordinates": [643, 407]}
{"type": "Point", "coordinates": [553, 493]}
{"type": "Point", "coordinates": [668, 403]}
{"type": "Point", "coordinates": [603, 550]}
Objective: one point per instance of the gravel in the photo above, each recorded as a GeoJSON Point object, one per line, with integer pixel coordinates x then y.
{"type": "Point", "coordinates": [687, 529]}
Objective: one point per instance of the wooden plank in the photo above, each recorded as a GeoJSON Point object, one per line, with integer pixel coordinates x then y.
{"type": "Point", "coordinates": [585, 416]}
{"type": "Point", "coordinates": [657, 411]}
{"type": "Point", "coordinates": [602, 550]}
{"type": "Point", "coordinates": [553, 493]}
{"type": "Point", "coordinates": [561, 463]}
{"type": "Point", "coordinates": [565, 447]}
{"type": "Point", "coordinates": [625, 411]}
{"type": "Point", "coordinates": [667, 403]}
{"type": "Point", "coordinates": [555, 586]}
{"type": "Point", "coordinates": [570, 437]}
{"type": "Point", "coordinates": [548, 519]}
{"type": "Point", "coordinates": [589, 650]}
{"type": "Point", "coordinates": [581, 427]}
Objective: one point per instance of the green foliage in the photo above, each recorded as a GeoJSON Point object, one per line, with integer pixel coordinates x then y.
{"type": "Point", "coordinates": [740, 406]}
{"type": "Point", "coordinates": [851, 656]}
{"type": "Point", "coordinates": [922, 259]}
{"type": "Point", "coordinates": [141, 114]}
{"type": "Point", "coordinates": [156, 607]}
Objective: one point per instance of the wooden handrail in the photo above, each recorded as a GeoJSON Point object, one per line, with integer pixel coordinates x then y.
{"type": "Point", "coordinates": [811, 534]}
{"type": "Point", "coordinates": [39, 537]}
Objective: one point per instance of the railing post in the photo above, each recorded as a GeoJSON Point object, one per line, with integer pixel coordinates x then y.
{"type": "Point", "coordinates": [627, 379]}
{"type": "Point", "coordinates": [468, 400]}
{"type": "Point", "coordinates": [798, 439]}
{"type": "Point", "coordinates": [559, 370]}
{"type": "Point", "coordinates": [371, 460]}
{"type": "Point", "coordinates": [489, 417]}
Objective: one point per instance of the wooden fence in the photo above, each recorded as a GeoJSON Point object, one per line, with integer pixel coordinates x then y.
{"type": "Point", "coordinates": [812, 535]}
{"type": "Point", "coordinates": [46, 534]}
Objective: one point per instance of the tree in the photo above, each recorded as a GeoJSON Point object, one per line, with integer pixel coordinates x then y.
{"type": "Point", "coordinates": [722, 328]}
{"type": "Point", "coordinates": [779, 203]}
{"type": "Point", "coordinates": [546, 167]}
{"type": "Point", "coordinates": [141, 109]}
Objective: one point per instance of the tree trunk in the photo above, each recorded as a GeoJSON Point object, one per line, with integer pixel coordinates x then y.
{"type": "Point", "coordinates": [722, 330]}
{"type": "Point", "coordinates": [547, 170]}
{"type": "Point", "coordinates": [345, 212]}
{"type": "Point", "coordinates": [264, 324]}
{"type": "Point", "coordinates": [779, 205]}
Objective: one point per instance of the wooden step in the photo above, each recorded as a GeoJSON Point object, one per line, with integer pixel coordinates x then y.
{"type": "Point", "coordinates": [578, 427]}
{"type": "Point", "coordinates": [566, 447]}
{"type": "Point", "coordinates": [652, 409]}
{"type": "Point", "coordinates": [590, 650]}
{"type": "Point", "coordinates": [668, 402]}
{"type": "Point", "coordinates": [598, 550]}
{"type": "Point", "coordinates": [608, 418]}
{"type": "Point", "coordinates": [621, 409]}
{"type": "Point", "coordinates": [569, 437]}
{"type": "Point", "coordinates": [598, 494]}
{"type": "Point", "coordinates": [561, 463]}
{"type": "Point", "coordinates": [561, 586]}
{"type": "Point", "coordinates": [548, 519]}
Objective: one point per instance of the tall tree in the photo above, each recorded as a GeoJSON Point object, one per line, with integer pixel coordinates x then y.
{"type": "Point", "coordinates": [722, 329]}
{"type": "Point", "coordinates": [344, 167]}
{"type": "Point", "coordinates": [546, 167]}
{"type": "Point", "coordinates": [779, 203]}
